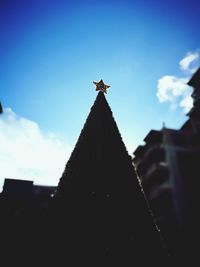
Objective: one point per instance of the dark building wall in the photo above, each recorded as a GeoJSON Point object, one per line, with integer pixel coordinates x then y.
{"type": "Point", "coordinates": [168, 167]}
{"type": "Point", "coordinates": [22, 206]}
{"type": "Point", "coordinates": [1, 108]}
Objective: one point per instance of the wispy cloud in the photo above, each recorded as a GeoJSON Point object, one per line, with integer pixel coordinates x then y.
{"type": "Point", "coordinates": [29, 153]}
{"type": "Point", "coordinates": [185, 63]}
{"type": "Point", "coordinates": [174, 89]}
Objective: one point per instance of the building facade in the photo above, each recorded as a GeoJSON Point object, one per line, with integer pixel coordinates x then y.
{"type": "Point", "coordinates": [168, 167]}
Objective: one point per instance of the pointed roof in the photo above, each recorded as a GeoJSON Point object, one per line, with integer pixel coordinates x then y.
{"type": "Point", "coordinates": [99, 197]}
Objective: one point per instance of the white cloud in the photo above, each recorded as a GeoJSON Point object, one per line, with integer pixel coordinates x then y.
{"type": "Point", "coordinates": [174, 89]}
{"type": "Point", "coordinates": [29, 153]}
{"type": "Point", "coordinates": [185, 63]}
{"type": "Point", "coordinates": [186, 103]}
{"type": "Point", "coordinates": [170, 87]}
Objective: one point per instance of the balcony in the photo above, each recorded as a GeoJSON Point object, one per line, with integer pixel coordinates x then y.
{"type": "Point", "coordinates": [159, 191]}
{"type": "Point", "coordinates": [154, 154]}
{"type": "Point", "coordinates": [156, 174]}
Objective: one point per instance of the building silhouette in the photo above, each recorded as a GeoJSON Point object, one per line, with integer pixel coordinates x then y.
{"type": "Point", "coordinates": [22, 206]}
{"type": "Point", "coordinates": [168, 167]}
{"type": "Point", "coordinates": [1, 108]}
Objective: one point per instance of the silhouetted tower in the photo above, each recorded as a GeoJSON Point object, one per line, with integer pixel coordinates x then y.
{"type": "Point", "coordinates": [99, 211]}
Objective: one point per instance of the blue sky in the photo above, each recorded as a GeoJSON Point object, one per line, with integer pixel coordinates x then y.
{"type": "Point", "coordinates": [51, 51]}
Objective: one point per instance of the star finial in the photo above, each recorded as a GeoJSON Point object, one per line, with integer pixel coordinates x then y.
{"type": "Point", "coordinates": [101, 86]}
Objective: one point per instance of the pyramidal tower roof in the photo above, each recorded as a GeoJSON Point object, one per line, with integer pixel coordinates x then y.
{"type": "Point", "coordinates": [99, 203]}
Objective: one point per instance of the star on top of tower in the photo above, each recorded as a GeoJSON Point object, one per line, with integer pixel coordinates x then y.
{"type": "Point", "coordinates": [101, 86]}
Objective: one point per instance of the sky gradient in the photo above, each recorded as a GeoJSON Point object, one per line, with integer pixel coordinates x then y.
{"type": "Point", "coordinates": [51, 51]}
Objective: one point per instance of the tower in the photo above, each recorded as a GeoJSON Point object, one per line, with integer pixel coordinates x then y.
{"type": "Point", "coordinates": [99, 211]}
